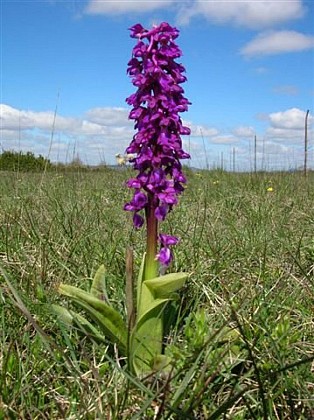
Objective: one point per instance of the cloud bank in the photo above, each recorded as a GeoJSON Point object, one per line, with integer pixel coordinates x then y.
{"type": "Point", "coordinates": [101, 133]}
{"type": "Point", "coordinates": [96, 7]}
{"type": "Point", "coordinates": [254, 14]}
{"type": "Point", "coordinates": [278, 42]}
{"type": "Point", "coordinates": [258, 15]}
{"type": "Point", "coordinates": [246, 13]}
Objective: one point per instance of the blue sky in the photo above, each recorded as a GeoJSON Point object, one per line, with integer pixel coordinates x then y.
{"type": "Point", "coordinates": [250, 69]}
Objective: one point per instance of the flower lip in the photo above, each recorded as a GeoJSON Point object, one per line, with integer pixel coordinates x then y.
{"type": "Point", "coordinates": [138, 220]}
{"type": "Point", "coordinates": [167, 240]}
{"type": "Point", "coordinates": [164, 256]}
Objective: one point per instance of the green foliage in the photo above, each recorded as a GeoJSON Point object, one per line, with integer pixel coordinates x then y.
{"type": "Point", "coordinates": [23, 162]}
{"type": "Point", "coordinates": [243, 345]}
{"type": "Point", "coordinates": [147, 334]}
{"type": "Point", "coordinates": [108, 319]}
{"type": "Point", "coordinates": [144, 346]}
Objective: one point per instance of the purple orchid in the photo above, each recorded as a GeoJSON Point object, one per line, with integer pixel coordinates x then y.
{"type": "Point", "coordinates": [165, 254]}
{"type": "Point", "coordinates": [157, 145]}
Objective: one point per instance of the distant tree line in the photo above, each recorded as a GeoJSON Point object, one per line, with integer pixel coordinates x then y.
{"type": "Point", "coordinates": [24, 162]}
{"type": "Point", "coordinates": [28, 162]}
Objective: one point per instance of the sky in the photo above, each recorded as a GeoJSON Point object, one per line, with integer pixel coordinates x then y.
{"type": "Point", "coordinates": [249, 65]}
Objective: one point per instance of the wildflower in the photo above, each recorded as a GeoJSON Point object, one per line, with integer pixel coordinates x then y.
{"type": "Point", "coordinates": [123, 160]}
{"type": "Point", "coordinates": [157, 145]}
{"type": "Point", "coordinates": [270, 189]}
{"type": "Point", "coordinates": [165, 254]}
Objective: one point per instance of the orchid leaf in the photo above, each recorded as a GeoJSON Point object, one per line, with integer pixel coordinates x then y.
{"type": "Point", "coordinates": [147, 314]}
{"type": "Point", "coordinates": [98, 288]}
{"type": "Point", "coordinates": [139, 282]}
{"type": "Point", "coordinates": [71, 318]}
{"type": "Point", "coordinates": [145, 341]}
{"type": "Point", "coordinates": [164, 286]}
{"type": "Point", "coordinates": [108, 318]}
{"type": "Point", "coordinates": [63, 314]}
{"type": "Point", "coordinates": [114, 335]}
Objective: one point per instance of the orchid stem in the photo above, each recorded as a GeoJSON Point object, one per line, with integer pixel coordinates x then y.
{"type": "Point", "coordinates": [151, 265]}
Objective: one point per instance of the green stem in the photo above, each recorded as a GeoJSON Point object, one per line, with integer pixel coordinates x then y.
{"type": "Point", "coordinates": [151, 265]}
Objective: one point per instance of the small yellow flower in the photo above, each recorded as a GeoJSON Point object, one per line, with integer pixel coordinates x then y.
{"type": "Point", "coordinates": [270, 189]}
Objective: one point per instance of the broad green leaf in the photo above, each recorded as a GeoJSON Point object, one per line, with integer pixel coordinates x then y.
{"type": "Point", "coordinates": [153, 305]}
{"type": "Point", "coordinates": [98, 288]}
{"type": "Point", "coordinates": [139, 282]}
{"type": "Point", "coordinates": [146, 343]}
{"type": "Point", "coordinates": [146, 339]}
{"type": "Point", "coordinates": [145, 301]}
{"type": "Point", "coordinates": [164, 286]}
{"type": "Point", "coordinates": [63, 314]}
{"type": "Point", "coordinates": [114, 335]}
{"type": "Point", "coordinates": [87, 328]}
{"type": "Point", "coordinates": [108, 318]}
{"type": "Point", "coordinates": [73, 319]}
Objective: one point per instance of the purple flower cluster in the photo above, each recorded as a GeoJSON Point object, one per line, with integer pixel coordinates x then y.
{"type": "Point", "coordinates": [157, 145]}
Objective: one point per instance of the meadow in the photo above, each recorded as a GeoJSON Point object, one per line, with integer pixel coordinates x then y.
{"type": "Point", "coordinates": [243, 343]}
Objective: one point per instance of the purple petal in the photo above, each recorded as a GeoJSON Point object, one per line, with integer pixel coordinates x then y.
{"type": "Point", "coordinates": [161, 212]}
{"type": "Point", "coordinates": [167, 240]}
{"type": "Point", "coordinates": [139, 200]}
{"type": "Point", "coordinates": [138, 220]}
{"type": "Point", "coordinates": [133, 183]}
{"type": "Point", "coordinates": [129, 207]}
{"type": "Point", "coordinates": [164, 256]}
{"type": "Point", "coordinates": [136, 30]}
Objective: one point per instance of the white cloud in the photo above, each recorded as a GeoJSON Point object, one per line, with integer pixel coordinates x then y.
{"type": "Point", "coordinates": [108, 116]}
{"type": "Point", "coordinates": [261, 70]}
{"type": "Point", "coordinates": [97, 121]}
{"type": "Point", "coordinates": [254, 14]}
{"type": "Point", "coordinates": [99, 132]}
{"type": "Point", "coordinates": [224, 139]}
{"type": "Point", "coordinates": [288, 126]}
{"type": "Point", "coordinates": [31, 131]}
{"type": "Point", "coordinates": [200, 130]}
{"type": "Point", "coordinates": [243, 131]}
{"type": "Point", "coordinates": [102, 132]}
{"type": "Point", "coordinates": [272, 148]}
{"type": "Point", "coordinates": [283, 134]}
{"type": "Point", "coordinates": [289, 90]}
{"type": "Point", "coordinates": [118, 7]}
{"type": "Point", "coordinates": [11, 118]}
{"type": "Point", "coordinates": [277, 42]}
{"type": "Point", "coordinates": [292, 119]}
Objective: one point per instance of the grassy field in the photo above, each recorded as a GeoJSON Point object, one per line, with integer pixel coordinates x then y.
{"type": "Point", "coordinates": [243, 343]}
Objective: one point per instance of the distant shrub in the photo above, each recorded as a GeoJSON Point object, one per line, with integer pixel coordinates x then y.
{"type": "Point", "coordinates": [24, 162]}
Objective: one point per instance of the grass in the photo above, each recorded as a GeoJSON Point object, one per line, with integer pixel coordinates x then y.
{"type": "Point", "coordinates": [243, 344]}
